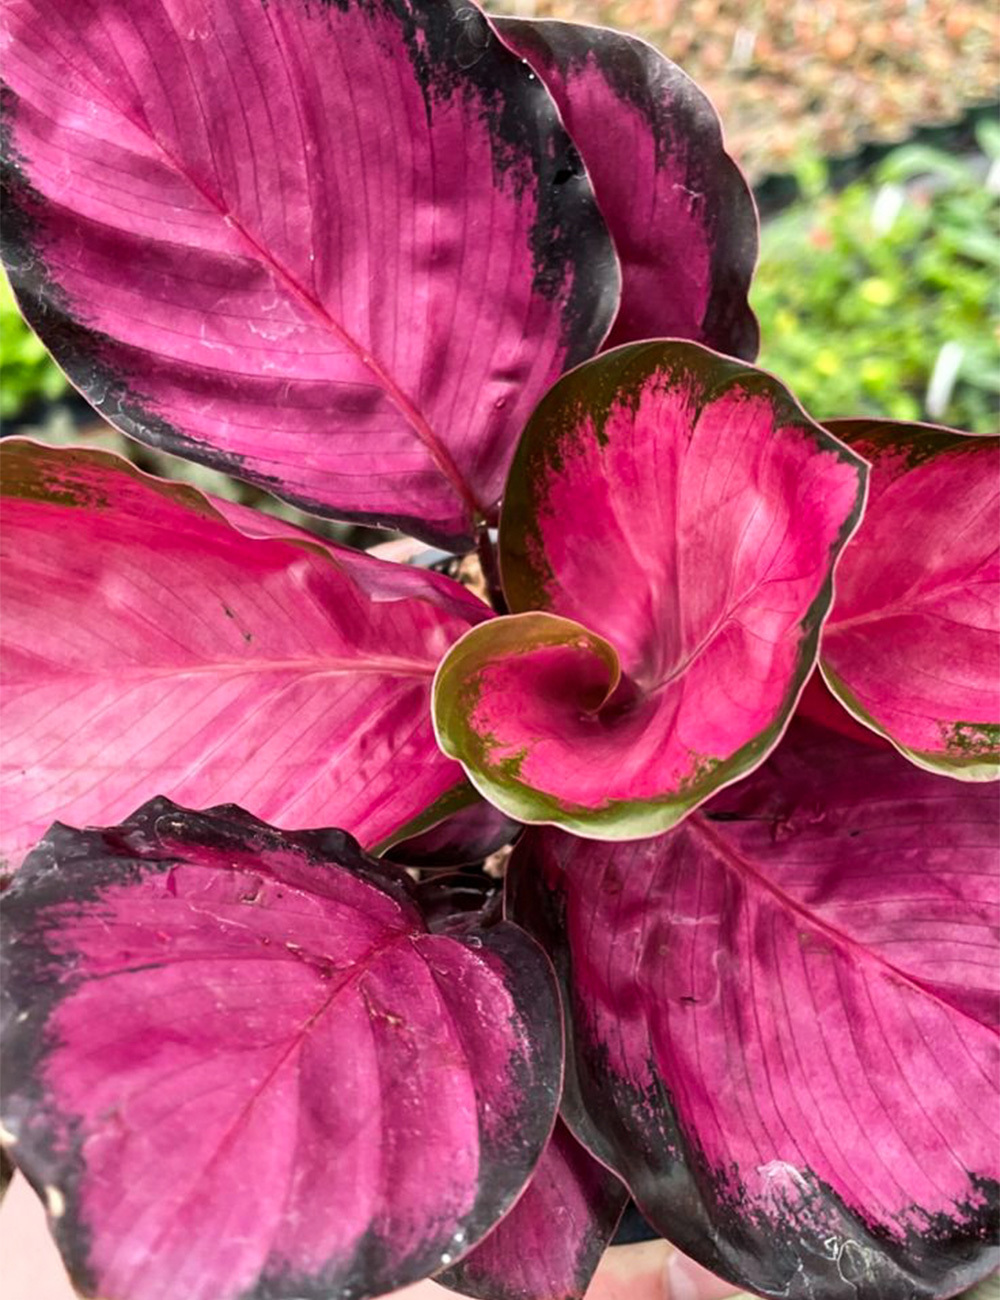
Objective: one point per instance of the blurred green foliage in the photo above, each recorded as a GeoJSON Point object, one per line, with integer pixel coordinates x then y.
{"type": "Point", "coordinates": [865, 295]}
{"type": "Point", "coordinates": [26, 370]}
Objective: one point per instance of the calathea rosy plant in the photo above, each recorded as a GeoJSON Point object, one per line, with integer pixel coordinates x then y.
{"type": "Point", "coordinates": [400, 263]}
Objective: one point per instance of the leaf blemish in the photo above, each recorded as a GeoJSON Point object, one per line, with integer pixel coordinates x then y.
{"type": "Point", "coordinates": [972, 738]}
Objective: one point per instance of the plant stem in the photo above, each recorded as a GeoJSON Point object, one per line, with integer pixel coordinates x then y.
{"type": "Point", "coordinates": [490, 565]}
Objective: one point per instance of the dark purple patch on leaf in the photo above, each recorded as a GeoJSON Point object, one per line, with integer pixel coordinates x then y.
{"type": "Point", "coordinates": [457, 901]}
{"type": "Point", "coordinates": [467, 836]}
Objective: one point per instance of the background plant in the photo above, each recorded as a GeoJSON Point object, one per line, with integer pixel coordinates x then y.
{"type": "Point", "coordinates": [863, 294]}
{"type": "Point", "coordinates": [27, 372]}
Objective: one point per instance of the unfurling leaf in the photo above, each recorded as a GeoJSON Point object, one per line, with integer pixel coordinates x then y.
{"type": "Point", "coordinates": [154, 641]}
{"type": "Point", "coordinates": [238, 1064]}
{"type": "Point", "coordinates": [912, 645]}
{"type": "Point", "coordinates": [675, 517]}
{"type": "Point", "coordinates": [783, 1019]}
{"type": "Point", "coordinates": [680, 212]}
{"type": "Point", "coordinates": [338, 250]}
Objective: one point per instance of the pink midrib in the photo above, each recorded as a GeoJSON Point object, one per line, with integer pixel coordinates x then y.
{"type": "Point", "coordinates": [414, 416]}
{"type": "Point", "coordinates": [701, 827]}
{"type": "Point", "coordinates": [913, 603]}
{"type": "Point", "coordinates": [351, 976]}
{"type": "Point", "coordinates": [315, 667]}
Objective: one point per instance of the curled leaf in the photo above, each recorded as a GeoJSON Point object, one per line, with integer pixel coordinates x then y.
{"type": "Point", "coordinates": [675, 518]}
{"type": "Point", "coordinates": [681, 214]}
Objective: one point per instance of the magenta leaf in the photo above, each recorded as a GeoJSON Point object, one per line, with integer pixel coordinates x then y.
{"type": "Point", "coordinates": [549, 1245]}
{"type": "Point", "coordinates": [238, 1064]}
{"type": "Point", "coordinates": [681, 214]}
{"type": "Point", "coordinates": [783, 1021]}
{"type": "Point", "coordinates": [674, 517]}
{"type": "Point", "coordinates": [149, 644]}
{"type": "Point", "coordinates": [912, 646]}
{"type": "Point", "coordinates": [338, 250]}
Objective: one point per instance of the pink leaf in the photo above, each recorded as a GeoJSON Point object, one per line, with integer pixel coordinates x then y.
{"type": "Point", "coordinates": [339, 250]}
{"type": "Point", "coordinates": [150, 645]}
{"type": "Point", "coordinates": [674, 517]}
{"type": "Point", "coordinates": [912, 646]}
{"type": "Point", "coordinates": [681, 214]}
{"type": "Point", "coordinates": [783, 1021]}
{"type": "Point", "coordinates": [549, 1245]}
{"type": "Point", "coordinates": [237, 1064]}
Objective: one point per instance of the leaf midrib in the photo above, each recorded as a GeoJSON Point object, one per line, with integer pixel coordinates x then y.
{"type": "Point", "coordinates": [354, 973]}
{"type": "Point", "coordinates": [701, 826]}
{"type": "Point", "coordinates": [913, 602]}
{"type": "Point", "coordinates": [417, 421]}
{"type": "Point", "coordinates": [306, 667]}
